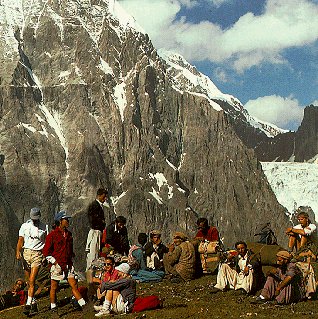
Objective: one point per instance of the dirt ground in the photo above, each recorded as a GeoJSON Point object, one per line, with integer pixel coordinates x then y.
{"type": "Point", "coordinates": [187, 300]}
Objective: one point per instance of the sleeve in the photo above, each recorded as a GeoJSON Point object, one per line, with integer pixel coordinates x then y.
{"type": "Point", "coordinates": [291, 270]}
{"type": "Point", "coordinates": [310, 229]}
{"type": "Point", "coordinates": [174, 256]}
{"type": "Point", "coordinates": [109, 234]}
{"type": "Point", "coordinates": [90, 215]}
{"type": "Point", "coordinates": [22, 230]}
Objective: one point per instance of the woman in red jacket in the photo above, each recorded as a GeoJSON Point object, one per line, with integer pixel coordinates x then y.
{"type": "Point", "coordinates": [58, 250]}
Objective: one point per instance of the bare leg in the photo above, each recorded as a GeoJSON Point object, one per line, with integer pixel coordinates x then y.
{"type": "Point", "coordinates": [53, 291]}
{"type": "Point", "coordinates": [302, 242]}
{"type": "Point", "coordinates": [33, 274]}
{"type": "Point", "coordinates": [292, 242]}
{"type": "Point", "coordinates": [73, 284]}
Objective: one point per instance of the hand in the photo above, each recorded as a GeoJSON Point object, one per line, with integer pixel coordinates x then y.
{"type": "Point", "coordinates": [271, 272]}
{"type": "Point", "coordinates": [171, 248]}
{"type": "Point", "coordinates": [245, 271]}
{"type": "Point", "coordinates": [18, 255]}
{"type": "Point", "coordinates": [277, 291]}
{"type": "Point", "coordinates": [289, 231]}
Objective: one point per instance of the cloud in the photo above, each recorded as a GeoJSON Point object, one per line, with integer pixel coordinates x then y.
{"type": "Point", "coordinates": [251, 41]}
{"type": "Point", "coordinates": [283, 112]}
{"type": "Point", "coordinates": [315, 103]}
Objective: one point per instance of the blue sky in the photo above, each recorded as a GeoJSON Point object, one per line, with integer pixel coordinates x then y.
{"type": "Point", "coordinates": [264, 52]}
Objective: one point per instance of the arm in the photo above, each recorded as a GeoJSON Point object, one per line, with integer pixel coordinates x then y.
{"type": "Point", "coordinates": [282, 285]}
{"type": "Point", "coordinates": [48, 249]}
{"type": "Point", "coordinates": [19, 247]}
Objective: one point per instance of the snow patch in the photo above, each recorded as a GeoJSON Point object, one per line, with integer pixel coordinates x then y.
{"type": "Point", "coordinates": [120, 98]}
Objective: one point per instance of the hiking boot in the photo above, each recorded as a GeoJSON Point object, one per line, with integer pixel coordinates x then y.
{"type": "Point", "coordinates": [34, 308]}
{"type": "Point", "coordinates": [27, 310]}
{"type": "Point", "coordinates": [214, 290]}
{"type": "Point", "coordinates": [102, 313]}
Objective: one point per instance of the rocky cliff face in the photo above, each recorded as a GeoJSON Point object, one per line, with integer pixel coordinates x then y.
{"type": "Point", "coordinates": [85, 102]}
{"type": "Point", "coordinates": [299, 146]}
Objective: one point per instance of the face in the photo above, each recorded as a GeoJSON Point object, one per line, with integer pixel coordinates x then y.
{"type": "Point", "coordinates": [102, 198]}
{"type": "Point", "coordinates": [241, 249]}
{"type": "Point", "coordinates": [64, 223]}
{"type": "Point", "coordinates": [177, 240]}
{"type": "Point", "coordinates": [281, 261]}
{"type": "Point", "coordinates": [109, 266]}
{"type": "Point", "coordinates": [155, 239]}
{"type": "Point", "coordinates": [120, 225]}
{"type": "Point", "coordinates": [18, 285]}
{"type": "Point", "coordinates": [303, 221]}
{"type": "Point", "coordinates": [202, 226]}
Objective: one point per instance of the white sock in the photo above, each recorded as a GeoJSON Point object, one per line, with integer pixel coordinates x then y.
{"type": "Point", "coordinates": [81, 302]}
{"type": "Point", "coordinates": [262, 297]}
{"type": "Point", "coordinates": [53, 305]}
{"type": "Point", "coordinates": [29, 300]}
{"type": "Point", "coordinates": [106, 304]}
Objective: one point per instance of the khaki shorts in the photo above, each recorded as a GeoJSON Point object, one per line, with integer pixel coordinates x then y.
{"type": "Point", "coordinates": [33, 258]}
{"type": "Point", "coordinates": [119, 307]}
{"type": "Point", "coordinates": [58, 274]}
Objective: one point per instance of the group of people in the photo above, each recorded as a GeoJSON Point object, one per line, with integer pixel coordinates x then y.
{"type": "Point", "coordinates": [121, 265]}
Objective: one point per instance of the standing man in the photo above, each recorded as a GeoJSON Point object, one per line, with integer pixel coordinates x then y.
{"type": "Point", "coordinates": [117, 236]}
{"type": "Point", "coordinates": [58, 251]}
{"type": "Point", "coordinates": [32, 236]}
{"type": "Point", "coordinates": [96, 220]}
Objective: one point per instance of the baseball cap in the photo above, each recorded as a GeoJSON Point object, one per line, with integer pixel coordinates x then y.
{"type": "Point", "coordinates": [61, 215]}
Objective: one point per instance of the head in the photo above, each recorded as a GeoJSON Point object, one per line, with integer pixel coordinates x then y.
{"type": "Point", "coordinates": [203, 224]}
{"type": "Point", "coordinates": [61, 219]}
{"type": "Point", "coordinates": [102, 194]}
{"type": "Point", "coordinates": [142, 238]}
{"type": "Point", "coordinates": [35, 214]}
{"type": "Point", "coordinates": [303, 219]}
{"type": "Point", "coordinates": [120, 222]}
{"type": "Point", "coordinates": [109, 263]}
{"type": "Point", "coordinates": [155, 236]}
{"type": "Point", "coordinates": [19, 284]}
{"type": "Point", "coordinates": [179, 237]}
{"type": "Point", "coordinates": [283, 257]}
{"type": "Point", "coordinates": [123, 269]}
{"type": "Point", "coordinates": [241, 248]}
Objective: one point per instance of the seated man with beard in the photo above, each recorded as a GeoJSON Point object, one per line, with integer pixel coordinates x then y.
{"type": "Point", "coordinates": [243, 273]}
{"type": "Point", "coordinates": [283, 283]}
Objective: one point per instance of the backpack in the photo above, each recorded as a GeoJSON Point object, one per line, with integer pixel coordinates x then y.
{"type": "Point", "coordinates": [146, 303]}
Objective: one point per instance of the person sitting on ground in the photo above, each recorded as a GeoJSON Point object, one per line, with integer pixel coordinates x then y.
{"type": "Point", "coordinates": [111, 297]}
{"type": "Point", "coordinates": [119, 298]}
{"type": "Point", "coordinates": [206, 232]}
{"type": "Point", "coordinates": [136, 258]}
{"type": "Point", "coordinates": [179, 262]}
{"type": "Point", "coordinates": [14, 297]}
{"type": "Point", "coordinates": [109, 274]}
{"type": "Point", "coordinates": [154, 251]}
{"type": "Point", "coordinates": [58, 250]}
{"type": "Point", "coordinates": [117, 236]}
{"type": "Point", "coordinates": [243, 272]}
{"type": "Point", "coordinates": [304, 233]}
{"type": "Point", "coordinates": [283, 284]}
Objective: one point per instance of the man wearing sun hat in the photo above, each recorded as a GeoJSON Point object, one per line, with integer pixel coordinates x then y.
{"type": "Point", "coordinates": [32, 236]}
{"type": "Point", "coordinates": [58, 251]}
{"type": "Point", "coordinates": [180, 260]}
{"type": "Point", "coordinates": [283, 283]}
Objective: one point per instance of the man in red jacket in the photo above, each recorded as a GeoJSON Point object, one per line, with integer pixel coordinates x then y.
{"type": "Point", "coordinates": [58, 250]}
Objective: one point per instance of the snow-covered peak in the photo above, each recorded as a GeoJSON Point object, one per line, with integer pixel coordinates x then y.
{"type": "Point", "coordinates": [187, 78]}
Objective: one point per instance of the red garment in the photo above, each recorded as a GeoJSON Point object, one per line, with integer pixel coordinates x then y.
{"type": "Point", "coordinates": [146, 303]}
{"type": "Point", "coordinates": [211, 235]}
{"type": "Point", "coordinates": [23, 296]}
{"type": "Point", "coordinates": [59, 244]}
{"type": "Point", "coordinates": [111, 276]}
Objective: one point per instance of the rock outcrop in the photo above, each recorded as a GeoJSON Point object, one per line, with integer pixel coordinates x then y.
{"type": "Point", "coordinates": [85, 102]}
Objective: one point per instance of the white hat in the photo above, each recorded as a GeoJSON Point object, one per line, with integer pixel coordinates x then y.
{"type": "Point", "coordinates": [124, 267]}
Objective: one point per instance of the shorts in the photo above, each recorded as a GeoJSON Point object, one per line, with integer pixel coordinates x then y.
{"type": "Point", "coordinates": [32, 258]}
{"type": "Point", "coordinates": [58, 274]}
{"type": "Point", "coordinates": [120, 306]}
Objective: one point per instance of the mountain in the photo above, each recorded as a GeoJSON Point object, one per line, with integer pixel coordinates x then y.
{"type": "Point", "coordinates": [86, 101]}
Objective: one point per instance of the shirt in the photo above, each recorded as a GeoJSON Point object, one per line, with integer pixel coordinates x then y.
{"type": "Point", "coordinates": [310, 231]}
{"type": "Point", "coordinates": [34, 236]}
{"type": "Point", "coordinates": [111, 276]}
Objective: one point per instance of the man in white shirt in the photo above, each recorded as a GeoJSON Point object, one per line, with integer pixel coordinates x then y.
{"type": "Point", "coordinates": [32, 236]}
{"type": "Point", "coordinates": [303, 233]}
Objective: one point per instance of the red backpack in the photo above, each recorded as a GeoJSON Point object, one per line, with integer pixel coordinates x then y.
{"type": "Point", "coordinates": [147, 303]}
